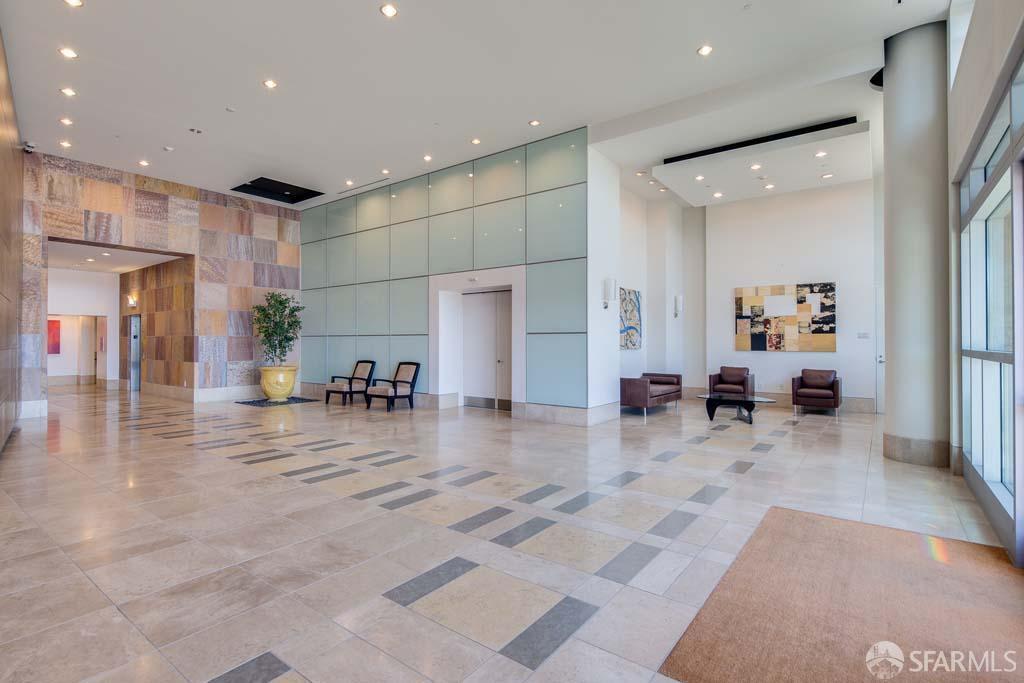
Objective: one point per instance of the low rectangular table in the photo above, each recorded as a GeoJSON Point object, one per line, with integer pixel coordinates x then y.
{"type": "Point", "coordinates": [741, 402]}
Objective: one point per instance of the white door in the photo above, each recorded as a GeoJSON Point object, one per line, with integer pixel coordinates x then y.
{"type": "Point", "coordinates": [503, 302]}
{"type": "Point", "coordinates": [487, 350]}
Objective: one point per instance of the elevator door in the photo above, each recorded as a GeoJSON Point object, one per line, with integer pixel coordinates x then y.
{"type": "Point", "coordinates": [134, 352]}
{"type": "Point", "coordinates": [487, 349]}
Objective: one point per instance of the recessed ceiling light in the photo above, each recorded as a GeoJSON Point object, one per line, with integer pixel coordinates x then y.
{"type": "Point", "coordinates": [66, 121]}
{"type": "Point", "coordinates": [106, 253]}
{"type": "Point", "coordinates": [349, 183]}
{"type": "Point", "coordinates": [821, 154]}
{"type": "Point", "coordinates": [389, 11]}
{"type": "Point", "coordinates": [168, 148]}
{"type": "Point", "coordinates": [68, 53]}
{"type": "Point", "coordinates": [717, 195]}
{"type": "Point", "coordinates": [641, 173]}
{"type": "Point", "coordinates": [385, 171]}
{"type": "Point", "coordinates": [535, 123]}
{"type": "Point", "coordinates": [698, 178]}
{"type": "Point", "coordinates": [65, 143]}
{"type": "Point", "coordinates": [90, 260]}
{"type": "Point", "coordinates": [755, 167]}
{"type": "Point", "coordinates": [826, 176]}
{"type": "Point", "coordinates": [143, 162]}
{"type": "Point", "coordinates": [469, 175]}
{"type": "Point", "coordinates": [662, 189]}
{"type": "Point", "coordinates": [74, 3]}
{"type": "Point", "coordinates": [704, 50]}
{"type": "Point", "coordinates": [427, 157]}
{"type": "Point", "coordinates": [68, 92]}
{"type": "Point", "coordinates": [650, 182]}
{"type": "Point", "coordinates": [270, 84]}
{"type": "Point", "coordinates": [769, 186]}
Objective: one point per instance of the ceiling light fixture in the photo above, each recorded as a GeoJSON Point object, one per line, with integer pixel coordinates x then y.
{"type": "Point", "coordinates": [168, 148]}
{"type": "Point", "coordinates": [717, 195]}
{"type": "Point", "coordinates": [427, 157]}
{"type": "Point", "coordinates": [270, 84]}
{"type": "Point", "coordinates": [68, 92]}
{"type": "Point", "coordinates": [699, 178]}
{"type": "Point", "coordinates": [66, 121]}
{"type": "Point", "coordinates": [769, 186]}
{"type": "Point", "coordinates": [389, 11]}
{"type": "Point", "coordinates": [143, 162]}
{"type": "Point", "coordinates": [106, 253]}
{"type": "Point", "coordinates": [74, 3]}
{"type": "Point", "coordinates": [641, 173]}
{"type": "Point", "coordinates": [755, 167]}
{"type": "Point", "coordinates": [385, 171]}
{"type": "Point", "coordinates": [349, 183]}
{"type": "Point", "coordinates": [650, 182]}
{"type": "Point", "coordinates": [704, 50]}
{"type": "Point", "coordinates": [68, 53]}
{"type": "Point", "coordinates": [469, 175]}
{"type": "Point", "coordinates": [534, 123]}
{"type": "Point", "coordinates": [65, 144]}
{"type": "Point", "coordinates": [90, 260]}
{"type": "Point", "coordinates": [826, 176]}
{"type": "Point", "coordinates": [475, 141]}
{"type": "Point", "coordinates": [821, 154]}
{"type": "Point", "coordinates": [662, 189]}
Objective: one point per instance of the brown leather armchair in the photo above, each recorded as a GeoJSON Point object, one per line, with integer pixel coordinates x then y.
{"type": "Point", "coordinates": [649, 390]}
{"type": "Point", "coordinates": [818, 389]}
{"type": "Point", "coordinates": [730, 380]}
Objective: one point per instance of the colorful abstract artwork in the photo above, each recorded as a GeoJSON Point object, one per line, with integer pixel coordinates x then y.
{"type": "Point", "coordinates": [786, 317]}
{"type": "Point", "coordinates": [53, 337]}
{"type": "Point", "coordinates": [630, 324]}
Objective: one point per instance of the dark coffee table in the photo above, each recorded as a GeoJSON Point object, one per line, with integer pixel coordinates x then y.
{"type": "Point", "coordinates": [741, 403]}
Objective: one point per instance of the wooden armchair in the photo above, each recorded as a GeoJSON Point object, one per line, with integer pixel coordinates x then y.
{"type": "Point", "coordinates": [402, 386]}
{"type": "Point", "coordinates": [357, 383]}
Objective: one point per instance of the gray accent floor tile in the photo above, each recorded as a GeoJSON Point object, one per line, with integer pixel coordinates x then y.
{"type": "Point", "coordinates": [226, 444]}
{"type": "Point", "coordinates": [666, 456]}
{"type": "Point", "coordinates": [480, 519]}
{"type": "Point", "coordinates": [778, 432]}
{"type": "Point", "coordinates": [392, 461]}
{"type": "Point", "coordinates": [312, 443]}
{"type": "Point", "coordinates": [527, 529]}
{"type": "Point", "coordinates": [368, 456]}
{"type": "Point", "coordinates": [268, 458]}
{"type": "Point", "coordinates": [320, 449]}
{"type": "Point", "coordinates": [262, 669]}
{"type": "Point", "coordinates": [472, 478]}
{"type": "Point", "coordinates": [380, 490]}
{"type": "Point", "coordinates": [179, 434]}
{"type": "Point", "coordinates": [429, 581]}
{"type": "Point", "coordinates": [708, 494]}
{"type": "Point", "coordinates": [253, 454]}
{"type": "Point", "coordinates": [574, 505]}
{"type": "Point", "coordinates": [444, 471]}
{"type": "Point", "coordinates": [539, 493]}
{"type": "Point", "coordinates": [762, 447]}
{"type": "Point", "coordinates": [232, 429]}
{"type": "Point", "coordinates": [531, 647]}
{"type": "Point", "coordinates": [673, 524]}
{"type": "Point", "coordinates": [410, 499]}
{"type": "Point", "coordinates": [330, 475]}
{"type": "Point", "coordinates": [740, 466]}
{"type": "Point", "coordinates": [623, 479]}
{"type": "Point", "coordinates": [209, 443]}
{"type": "Point", "coordinates": [720, 428]}
{"type": "Point", "coordinates": [627, 564]}
{"type": "Point", "coordinates": [791, 423]}
{"type": "Point", "coordinates": [697, 439]}
{"type": "Point", "coordinates": [307, 470]}
{"type": "Point", "coordinates": [265, 433]}
{"type": "Point", "coordinates": [283, 436]}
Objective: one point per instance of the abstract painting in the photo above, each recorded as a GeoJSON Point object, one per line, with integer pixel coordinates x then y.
{"type": "Point", "coordinates": [630, 324]}
{"type": "Point", "coordinates": [798, 317]}
{"type": "Point", "coordinates": [53, 337]}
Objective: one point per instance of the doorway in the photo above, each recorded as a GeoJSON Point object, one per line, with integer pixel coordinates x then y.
{"type": "Point", "coordinates": [487, 349]}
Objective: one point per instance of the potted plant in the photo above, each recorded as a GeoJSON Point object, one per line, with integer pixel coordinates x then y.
{"type": "Point", "coordinates": [277, 326]}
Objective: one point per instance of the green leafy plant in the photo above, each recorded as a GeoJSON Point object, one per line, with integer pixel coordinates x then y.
{"type": "Point", "coordinates": [277, 325]}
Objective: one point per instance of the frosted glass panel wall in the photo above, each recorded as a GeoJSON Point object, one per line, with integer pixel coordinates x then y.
{"type": "Point", "coordinates": [366, 261]}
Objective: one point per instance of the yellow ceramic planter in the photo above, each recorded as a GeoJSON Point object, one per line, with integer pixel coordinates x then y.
{"type": "Point", "coordinates": [278, 381]}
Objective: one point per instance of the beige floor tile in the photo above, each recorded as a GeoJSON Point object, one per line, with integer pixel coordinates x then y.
{"type": "Point", "coordinates": [580, 662]}
{"type": "Point", "coordinates": [445, 509]}
{"type": "Point", "coordinates": [144, 574]}
{"type": "Point", "coordinates": [252, 540]}
{"type": "Point", "coordinates": [623, 512]}
{"type": "Point", "coordinates": [500, 669]}
{"type": "Point", "coordinates": [353, 483]}
{"type": "Point", "coordinates": [337, 594]}
{"type": "Point", "coordinates": [356, 661]}
{"type": "Point", "coordinates": [49, 604]}
{"type": "Point", "coordinates": [150, 668]}
{"type": "Point", "coordinates": [27, 571]}
{"type": "Point", "coordinates": [336, 515]}
{"type": "Point", "coordinates": [661, 573]}
{"type": "Point", "coordinates": [287, 464]}
{"type": "Point", "coordinates": [503, 486]}
{"type": "Point", "coordinates": [581, 549]}
{"type": "Point", "coordinates": [696, 582]}
{"type": "Point", "coordinates": [487, 606]}
{"type": "Point", "coordinates": [102, 550]}
{"type": "Point", "coordinates": [679, 488]}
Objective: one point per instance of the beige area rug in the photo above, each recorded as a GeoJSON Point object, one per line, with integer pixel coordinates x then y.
{"type": "Point", "coordinates": [810, 595]}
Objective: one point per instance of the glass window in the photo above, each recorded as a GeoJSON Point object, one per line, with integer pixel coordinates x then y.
{"type": "Point", "coordinates": [999, 277]}
{"type": "Point", "coordinates": [1006, 474]}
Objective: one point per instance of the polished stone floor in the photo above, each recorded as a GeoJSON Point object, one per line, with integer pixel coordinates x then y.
{"type": "Point", "coordinates": [149, 540]}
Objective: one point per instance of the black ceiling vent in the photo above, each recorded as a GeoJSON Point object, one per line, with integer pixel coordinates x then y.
{"type": "Point", "coordinates": [277, 191]}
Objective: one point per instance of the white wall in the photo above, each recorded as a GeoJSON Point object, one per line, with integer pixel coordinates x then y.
{"type": "Point", "coordinates": [66, 363]}
{"type": "Point", "coordinates": [603, 258]}
{"type": "Point", "coordinates": [73, 292]}
{"type": "Point", "coordinates": [633, 275]}
{"type": "Point", "coordinates": [824, 235]}
{"type": "Point", "coordinates": [693, 272]}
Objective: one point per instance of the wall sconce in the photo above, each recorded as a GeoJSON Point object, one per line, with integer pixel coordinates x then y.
{"type": "Point", "coordinates": [132, 301]}
{"type": "Point", "coordinates": [678, 305]}
{"type": "Point", "coordinates": [609, 291]}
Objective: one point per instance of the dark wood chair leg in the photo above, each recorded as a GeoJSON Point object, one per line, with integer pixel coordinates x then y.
{"type": "Point", "coordinates": [391, 404]}
{"type": "Point", "coordinates": [327, 397]}
{"type": "Point", "coordinates": [410, 402]}
{"type": "Point", "coordinates": [368, 399]}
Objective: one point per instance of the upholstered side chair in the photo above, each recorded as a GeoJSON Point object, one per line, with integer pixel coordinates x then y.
{"type": "Point", "coordinates": [402, 386]}
{"type": "Point", "coordinates": [356, 383]}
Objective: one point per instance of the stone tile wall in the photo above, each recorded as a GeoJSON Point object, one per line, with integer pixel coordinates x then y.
{"type": "Point", "coordinates": [11, 159]}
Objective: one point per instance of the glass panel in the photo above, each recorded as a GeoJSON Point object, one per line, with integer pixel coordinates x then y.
{"type": "Point", "coordinates": [1007, 474]}
{"type": "Point", "coordinates": [372, 308]}
{"type": "Point", "coordinates": [341, 356]}
{"type": "Point", "coordinates": [1017, 101]}
{"type": "Point", "coordinates": [311, 226]}
{"type": "Point", "coordinates": [375, 348]}
{"type": "Point", "coordinates": [313, 312]}
{"type": "Point", "coordinates": [314, 273]}
{"type": "Point", "coordinates": [978, 303]}
{"type": "Point", "coordinates": [411, 349]}
{"type": "Point", "coordinates": [451, 189]}
{"type": "Point", "coordinates": [977, 430]}
{"type": "Point", "coordinates": [965, 289]}
{"type": "Point", "coordinates": [372, 249]}
{"type": "Point", "coordinates": [500, 176]}
{"type": "Point", "coordinates": [409, 200]}
{"type": "Point", "coordinates": [312, 359]}
{"type": "Point", "coordinates": [992, 419]}
{"type": "Point", "coordinates": [409, 249]}
{"type": "Point", "coordinates": [556, 369]}
{"type": "Point", "coordinates": [372, 209]}
{"type": "Point", "coordinates": [341, 260]}
{"type": "Point", "coordinates": [341, 217]}
{"type": "Point", "coordinates": [557, 161]}
{"type": "Point", "coordinates": [556, 224]}
{"type": "Point", "coordinates": [341, 310]}
{"type": "Point", "coordinates": [556, 296]}
{"type": "Point", "coordinates": [999, 275]}
{"type": "Point", "coordinates": [965, 407]}
{"type": "Point", "coordinates": [499, 234]}
{"type": "Point", "coordinates": [991, 150]}
{"type": "Point", "coordinates": [451, 242]}
{"type": "Point", "coordinates": [997, 154]}
{"type": "Point", "coordinates": [409, 306]}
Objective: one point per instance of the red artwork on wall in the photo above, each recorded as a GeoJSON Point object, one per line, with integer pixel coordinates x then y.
{"type": "Point", "coordinates": [53, 337]}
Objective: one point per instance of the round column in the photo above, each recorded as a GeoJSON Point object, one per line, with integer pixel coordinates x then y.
{"type": "Point", "coordinates": [917, 335]}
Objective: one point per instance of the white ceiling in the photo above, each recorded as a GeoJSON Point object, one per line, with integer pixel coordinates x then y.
{"type": "Point", "coordinates": [789, 165]}
{"type": "Point", "coordinates": [359, 93]}
{"type": "Point", "coordinates": [74, 257]}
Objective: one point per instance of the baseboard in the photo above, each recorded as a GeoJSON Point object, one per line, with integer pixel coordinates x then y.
{"type": "Point", "coordinates": [69, 380]}
{"type": "Point", "coordinates": [185, 394]}
{"type": "Point", "coordinates": [565, 415]}
{"type": "Point", "coordinates": [108, 384]}
{"type": "Point", "coordinates": [929, 452]}
{"type": "Point", "coordinates": [30, 409]}
{"type": "Point", "coordinates": [242, 393]}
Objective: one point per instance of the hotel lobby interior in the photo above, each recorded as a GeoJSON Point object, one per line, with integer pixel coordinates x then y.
{"type": "Point", "coordinates": [575, 342]}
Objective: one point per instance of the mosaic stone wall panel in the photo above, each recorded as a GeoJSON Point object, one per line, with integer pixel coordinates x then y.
{"type": "Point", "coordinates": [798, 317]}
{"type": "Point", "coordinates": [11, 159]}
{"type": "Point", "coordinates": [242, 249]}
